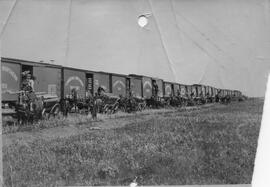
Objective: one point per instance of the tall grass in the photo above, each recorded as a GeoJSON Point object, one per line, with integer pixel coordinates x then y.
{"type": "Point", "coordinates": [214, 145]}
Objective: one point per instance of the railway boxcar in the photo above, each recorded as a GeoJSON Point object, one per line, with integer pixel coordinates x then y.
{"type": "Point", "coordinates": [215, 91]}
{"type": "Point", "coordinates": [234, 93]}
{"type": "Point", "coordinates": [74, 79]}
{"type": "Point", "coordinates": [119, 84]}
{"type": "Point", "coordinates": [183, 90]}
{"type": "Point", "coordinates": [147, 87]}
{"type": "Point", "coordinates": [238, 93]}
{"type": "Point", "coordinates": [136, 86]}
{"type": "Point", "coordinates": [222, 93]}
{"type": "Point", "coordinates": [189, 89]}
{"type": "Point", "coordinates": [168, 89]}
{"type": "Point", "coordinates": [208, 91]}
{"type": "Point", "coordinates": [194, 90]}
{"type": "Point", "coordinates": [47, 84]}
{"type": "Point", "coordinates": [204, 90]}
{"type": "Point", "coordinates": [219, 92]}
{"type": "Point", "coordinates": [102, 79]}
{"type": "Point", "coordinates": [198, 89]}
{"type": "Point", "coordinates": [11, 78]}
{"type": "Point", "coordinates": [160, 86]}
{"type": "Point", "coordinates": [40, 71]}
{"type": "Point", "coordinates": [176, 89]}
{"type": "Point", "coordinates": [146, 83]}
{"type": "Point", "coordinates": [212, 91]}
{"type": "Point", "coordinates": [43, 83]}
{"type": "Point", "coordinates": [229, 92]}
{"type": "Point", "coordinates": [226, 92]}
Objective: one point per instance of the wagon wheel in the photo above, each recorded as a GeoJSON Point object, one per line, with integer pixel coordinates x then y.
{"type": "Point", "coordinates": [54, 111]}
{"type": "Point", "coordinates": [139, 107]}
{"type": "Point", "coordinates": [106, 109]}
{"type": "Point", "coordinates": [44, 115]}
{"type": "Point", "coordinates": [115, 107]}
{"type": "Point", "coordinates": [142, 106]}
{"type": "Point", "coordinates": [20, 120]}
{"type": "Point", "coordinates": [21, 117]}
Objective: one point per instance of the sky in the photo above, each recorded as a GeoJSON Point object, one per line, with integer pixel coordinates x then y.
{"type": "Point", "coordinates": [220, 43]}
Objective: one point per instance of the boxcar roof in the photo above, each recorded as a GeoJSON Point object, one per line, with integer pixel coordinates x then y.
{"type": "Point", "coordinates": [170, 82]}
{"type": "Point", "coordinates": [198, 85]}
{"type": "Point", "coordinates": [26, 62]}
{"type": "Point", "coordinates": [138, 76]}
{"type": "Point", "coordinates": [114, 74]}
{"type": "Point", "coordinates": [77, 69]}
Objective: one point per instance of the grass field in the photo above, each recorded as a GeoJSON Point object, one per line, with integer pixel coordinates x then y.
{"type": "Point", "coordinates": [206, 145]}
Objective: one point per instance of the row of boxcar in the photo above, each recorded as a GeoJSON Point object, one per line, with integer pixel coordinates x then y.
{"type": "Point", "coordinates": [59, 80]}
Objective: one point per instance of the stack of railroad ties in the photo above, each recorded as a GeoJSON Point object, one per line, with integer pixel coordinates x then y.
{"type": "Point", "coordinates": [68, 89]}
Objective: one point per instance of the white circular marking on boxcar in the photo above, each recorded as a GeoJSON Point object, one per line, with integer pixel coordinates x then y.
{"type": "Point", "coordinates": [168, 89]}
{"type": "Point", "coordinates": [76, 78]}
{"type": "Point", "coordinates": [147, 83]}
{"type": "Point", "coordinates": [11, 72]}
{"type": "Point", "coordinates": [118, 82]}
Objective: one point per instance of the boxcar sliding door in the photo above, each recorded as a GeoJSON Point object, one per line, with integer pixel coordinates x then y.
{"type": "Point", "coordinates": [48, 80]}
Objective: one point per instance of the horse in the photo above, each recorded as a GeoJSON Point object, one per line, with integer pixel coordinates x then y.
{"type": "Point", "coordinates": [30, 108]}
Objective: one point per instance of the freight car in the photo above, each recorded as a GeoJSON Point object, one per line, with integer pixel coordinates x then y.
{"type": "Point", "coordinates": [208, 94]}
{"type": "Point", "coordinates": [48, 88]}
{"type": "Point", "coordinates": [66, 83]}
{"type": "Point", "coordinates": [145, 88]}
{"type": "Point", "coordinates": [168, 89]}
{"type": "Point", "coordinates": [200, 93]}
